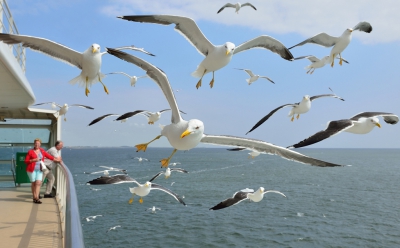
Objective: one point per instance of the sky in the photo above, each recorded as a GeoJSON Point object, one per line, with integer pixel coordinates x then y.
{"type": "Point", "coordinates": [369, 83]}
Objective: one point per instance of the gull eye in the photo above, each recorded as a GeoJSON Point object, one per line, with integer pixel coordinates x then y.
{"type": "Point", "coordinates": [197, 127]}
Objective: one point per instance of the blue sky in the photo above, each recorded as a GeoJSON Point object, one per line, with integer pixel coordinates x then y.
{"type": "Point", "coordinates": [369, 83]}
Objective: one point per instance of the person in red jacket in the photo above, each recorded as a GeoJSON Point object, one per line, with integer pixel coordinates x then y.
{"type": "Point", "coordinates": [34, 167]}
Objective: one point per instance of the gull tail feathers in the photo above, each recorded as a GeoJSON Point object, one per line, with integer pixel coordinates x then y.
{"type": "Point", "coordinates": [198, 72]}
{"type": "Point", "coordinates": [161, 126]}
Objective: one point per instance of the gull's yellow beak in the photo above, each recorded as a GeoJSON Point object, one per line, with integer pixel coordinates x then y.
{"type": "Point", "coordinates": [227, 52]}
{"type": "Point", "coordinates": [94, 50]}
{"type": "Point", "coordinates": [378, 125]}
{"type": "Point", "coordinates": [186, 133]}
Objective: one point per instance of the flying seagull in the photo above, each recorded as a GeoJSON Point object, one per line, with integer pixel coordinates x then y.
{"type": "Point", "coordinates": [242, 195]}
{"type": "Point", "coordinates": [297, 108]}
{"type": "Point", "coordinates": [140, 159]}
{"type": "Point", "coordinates": [185, 135]}
{"type": "Point", "coordinates": [153, 209]}
{"type": "Point", "coordinates": [64, 108]}
{"type": "Point", "coordinates": [362, 123]}
{"type": "Point", "coordinates": [144, 189]}
{"type": "Point", "coordinates": [317, 63]}
{"type": "Point", "coordinates": [92, 218]}
{"type": "Point", "coordinates": [252, 154]}
{"type": "Point", "coordinates": [116, 179]}
{"type": "Point", "coordinates": [253, 77]}
{"type": "Point", "coordinates": [113, 228]}
{"type": "Point", "coordinates": [132, 79]}
{"type": "Point", "coordinates": [89, 61]}
{"type": "Point", "coordinates": [216, 56]}
{"type": "Point", "coordinates": [338, 43]}
{"type": "Point", "coordinates": [237, 6]}
{"type": "Point", "coordinates": [167, 173]}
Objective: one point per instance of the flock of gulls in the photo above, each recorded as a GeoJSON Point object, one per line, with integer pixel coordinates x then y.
{"type": "Point", "coordinates": [184, 134]}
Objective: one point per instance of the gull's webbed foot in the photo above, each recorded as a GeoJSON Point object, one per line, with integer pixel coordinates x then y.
{"type": "Point", "coordinates": [298, 116]}
{"type": "Point", "coordinates": [292, 118]}
{"type": "Point", "coordinates": [141, 147]}
{"type": "Point", "coordinates": [141, 200]}
{"type": "Point", "coordinates": [198, 85]}
{"type": "Point", "coordinates": [164, 162]}
{"type": "Point", "coordinates": [212, 83]}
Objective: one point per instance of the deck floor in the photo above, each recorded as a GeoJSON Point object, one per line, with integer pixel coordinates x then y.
{"type": "Point", "coordinates": [25, 224]}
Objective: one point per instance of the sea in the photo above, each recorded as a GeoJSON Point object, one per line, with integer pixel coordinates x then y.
{"type": "Point", "coordinates": [357, 205]}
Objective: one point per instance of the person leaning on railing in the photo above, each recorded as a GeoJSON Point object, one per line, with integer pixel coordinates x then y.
{"type": "Point", "coordinates": [34, 167]}
{"type": "Point", "coordinates": [51, 165]}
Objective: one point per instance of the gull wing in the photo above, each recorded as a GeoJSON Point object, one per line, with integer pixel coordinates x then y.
{"type": "Point", "coordinates": [266, 147]}
{"type": "Point", "coordinates": [157, 175]}
{"type": "Point", "coordinates": [116, 179]}
{"type": "Point", "coordinates": [322, 39]}
{"type": "Point", "coordinates": [159, 187]}
{"type": "Point", "coordinates": [237, 198]}
{"type": "Point", "coordinates": [130, 114]}
{"type": "Point", "coordinates": [334, 127]}
{"type": "Point", "coordinates": [120, 72]}
{"type": "Point", "coordinates": [236, 149]}
{"type": "Point", "coordinates": [312, 58]}
{"type": "Point", "coordinates": [325, 95]}
{"type": "Point", "coordinates": [179, 170]}
{"type": "Point", "coordinates": [184, 25]}
{"type": "Point", "coordinates": [48, 103]}
{"type": "Point", "coordinates": [101, 118]}
{"type": "Point", "coordinates": [363, 26]}
{"type": "Point", "coordinates": [249, 4]}
{"type": "Point", "coordinates": [247, 70]}
{"type": "Point", "coordinates": [274, 191]}
{"type": "Point", "coordinates": [48, 47]}
{"type": "Point", "coordinates": [265, 77]}
{"type": "Point", "coordinates": [387, 117]}
{"type": "Point", "coordinates": [228, 5]}
{"type": "Point", "coordinates": [80, 105]}
{"type": "Point", "coordinates": [266, 42]}
{"type": "Point", "coordinates": [157, 76]}
{"type": "Point", "coordinates": [265, 118]}
{"type": "Point", "coordinates": [132, 47]}
{"type": "Point", "coordinates": [110, 168]}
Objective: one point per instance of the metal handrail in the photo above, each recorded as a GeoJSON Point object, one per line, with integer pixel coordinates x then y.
{"type": "Point", "coordinates": [17, 49]}
{"type": "Point", "coordinates": [68, 205]}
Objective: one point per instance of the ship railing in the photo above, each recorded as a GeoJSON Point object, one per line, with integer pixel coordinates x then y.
{"type": "Point", "coordinates": [7, 25]}
{"type": "Point", "coordinates": [68, 206]}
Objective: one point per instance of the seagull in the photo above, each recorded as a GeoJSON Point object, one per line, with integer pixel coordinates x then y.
{"type": "Point", "coordinates": [317, 63]}
{"type": "Point", "coordinates": [144, 189]}
{"type": "Point", "coordinates": [89, 61]}
{"type": "Point", "coordinates": [252, 154]}
{"type": "Point", "coordinates": [133, 79]}
{"type": "Point", "coordinates": [172, 183]}
{"type": "Point", "coordinates": [243, 195]}
{"type": "Point", "coordinates": [361, 123]}
{"type": "Point", "coordinates": [91, 218]}
{"type": "Point", "coordinates": [237, 6]}
{"type": "Point", "coordinates": [297, 108]}
{"type": "Point", "coordinates": [153, 209]}
{"type": "Point", "coordinates": [116, 179]}
{"type": "Point", "coordinates": [151, 116]}
{"type": "Point", "coordinates": [174, 164]}
{"type": "Point", "coordinates": [168, 173]}
{"type": "Point", "coordinates": [253, 77]}
{"type": "Point", "coordinates": [64, 108]}
{"type": "Point", "coordinates": [106, 172]}
{"type": "Point", "coordinates": [140, 159]}
{"type": "Point", "coordinates": [185, 135]}
{"type": "Point", "coordinates": [216, 56]}
{"type": "Point", "coordinates": [338, 43]}
{"type": "Point", "coordinates": [94, 189]}
{"type": "Point", "coordinates": [104, 116]}
{"type": "Point", "coordinates": [113, 228]}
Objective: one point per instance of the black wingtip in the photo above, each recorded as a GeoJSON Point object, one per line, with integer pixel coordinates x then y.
{"type": "Point", "coordinates": [248, 132]}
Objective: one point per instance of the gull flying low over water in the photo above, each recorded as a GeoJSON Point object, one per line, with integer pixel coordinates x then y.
{"type": "Point", "coordinates": [174, 164]}
{"type": "Point", "coordinates": [242, 195]}
{"type": "Point", "coordinates": [339, 43]}
{"type": "Point", "coordinates": [113, 228]}
{"type": "Point", "coordinates": [153, 209]}
{"type": "Point", "coordinates": [89, 61]}
{"type": "Point", "coordinates": [107, 170]}
{"type": "Point", "coordinates": [92, 218]}
{"type": "Point", "coordinates": [317, 63]}
{"type": "Point", "coordinates": [216, 56]}
{"type": "Point", "coordinates": [359, 124]}
{"type": "Point", "coordinates": [140, 159]}
{"type": "Point", "coordinates": [185, 135]}
{"type": "Point", "coordinates": [297, 108]}
{"type": "Point", "coordinates": [64, 108]}
{"type": "Point", "coordinates": [144, 189]}
{"type": "Point", "coordinates": [237, 6]}
{"type": "Point", "coordinates": [132, 79]}
{"type": "Point", "coordinates": [252, 154]}
{"type": "Point", "coordinates": [116, 179]}
{"type": "Point", "coordinates": [253, 77]}
{"type": "Point", "coordinates": [167, 173]}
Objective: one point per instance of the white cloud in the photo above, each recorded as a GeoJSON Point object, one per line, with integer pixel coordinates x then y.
{"type": "Point", "coordinates": [306, 17]}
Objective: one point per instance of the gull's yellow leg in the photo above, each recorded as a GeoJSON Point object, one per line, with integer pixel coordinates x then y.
{"type": "Point", "coordinates": [165, 161]}
{"type": "Point", "coordinates": [341, 60]}
{"type": "Point", "coordinates": [292, 118]}
{"type": "Point", "coordinates": [212, 81]}
{"type": "Point", "coordinates": [309, 71]}
{"type": "Point", "coordinates": [298, 116]}
{"type": "Point", "coordinates": [141, 200]}
{"type": "Point", "coordinates": [151, 122]}
{"type": "Point", "coordinates": [198, 85]}
{"type": "Point", "coordinates": [87, 91]}
{"type": "Point", "coordinates": [333, 60]}
{"type": "Point", "coordinates": [143, 147]}
{"type": "Point", "coordinates": [131, 200]}
{"type": "Point", "coordinates": [105, 88]}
